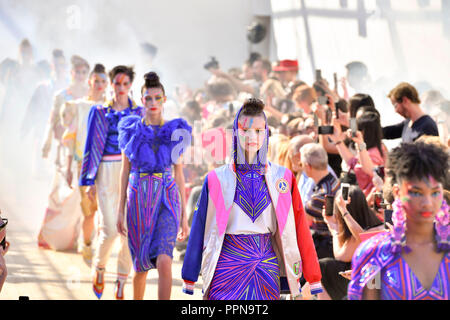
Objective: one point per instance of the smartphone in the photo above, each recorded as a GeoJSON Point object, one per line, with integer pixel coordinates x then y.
{"type": "Point", "coordinates": [377, 201]}
{"type": "Point", "coordinates": [387, 217]}
{"type": "Point", "coordinates": [329, 205]}
{"type": "Point", "coordinates": [353, 126]}
{"type": "Point", "coordinates": [322, 100]}
{"type": "Point", "coordinates": [345, 188]}
{"type": "Point", "coordinates": [335, 81]}
{"type": "Point", "coordinates": [380, 171]}
{"type": "Point", "coordinates": [230, 109]}
{"type": "Point", "coordinates": [318, 74]}
{"type": "Point", "coordinates": [325, 130]}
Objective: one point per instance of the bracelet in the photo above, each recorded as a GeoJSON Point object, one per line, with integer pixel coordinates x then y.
{"type": "Point", "coordinates": [362, 146]}
{"type": "Point", "coordinates": [338, 142]}
{"type": "Point", "coordinates": [346, 213]}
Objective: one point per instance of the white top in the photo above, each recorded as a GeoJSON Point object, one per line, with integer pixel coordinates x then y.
{"type": "Point", "coordinates": [83, 106]}
{"type": "Point", "coordinates": [240, 223]}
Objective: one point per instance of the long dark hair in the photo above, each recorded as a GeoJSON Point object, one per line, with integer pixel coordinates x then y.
{"type": "Point", "coordinates": [121, 69]}
{"type": "Point", "coordinates": [369, 124]}
{"type": "Point", "coordinates": [152, 81]}
{"type": "Point", "coordinates": [358, 100]}
{"type": "Point", "coordinates": [359, 210]}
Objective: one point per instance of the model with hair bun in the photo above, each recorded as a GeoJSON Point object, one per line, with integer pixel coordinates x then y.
{"type": "Point", "coordinates": [153, 200]}
{"type": "Point", "coordinates": [249, 228]}
{"type": "Point", "coordinates": [100, 173]}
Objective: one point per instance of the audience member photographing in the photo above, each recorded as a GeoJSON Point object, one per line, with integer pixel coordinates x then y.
{"type": "Point", "coordinates": [370, 151]}
{"type": "Point", "coordinates": [315, 164]}
{"type": "Point", "coordinates": [350, 218]}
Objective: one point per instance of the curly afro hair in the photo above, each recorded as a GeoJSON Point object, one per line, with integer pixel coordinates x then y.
{"type": "Point", "coordinates": [418, 160]}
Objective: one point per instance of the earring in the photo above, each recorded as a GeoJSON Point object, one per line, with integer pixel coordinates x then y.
{"type": "Point", "coordinates": [399, 228]}
{"type": "Point", "coordinates": [441, 225]}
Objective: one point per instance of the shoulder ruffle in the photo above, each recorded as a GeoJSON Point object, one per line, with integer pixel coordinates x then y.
{"type": "Point", "coordinates": [136, 141]}
{"type": "Point", "coordinates": [176, 133]}
{"type": "Point", "coordinates": [165, 133]}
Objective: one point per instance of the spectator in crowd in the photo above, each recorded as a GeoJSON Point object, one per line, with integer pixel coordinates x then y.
{"type": "Point", "coordinates": [370, 152]}
{"type": "Point", "coordinates": [350, 218]}
{"type": "Point", "coordinates": [306, 184]}
{"type": "Point", "coordinates": [275, 139]}
{"type": "Point", "coordinates": [221, 93]}
{"type": "Point", "coordinates": [261, 70]}
{"type": "Point", "coordinates": [315, 164]}
{"type": "Point", "coordinates": [359, 100]}
{"type": "Point", "coordinates": [286, 71]}
{"type": "Point", "coordinates": [191, 111]}
{"type": "Point", "coordinates": [412, 261]}
{"type": "Point", "coordinates": [293, 161]}
{"type": "Point", "coordinates": [4, 246]}
{"type": "Point", "coordinates": [304, 96]}
{"type": "Point", "coordinates": [405, 99]}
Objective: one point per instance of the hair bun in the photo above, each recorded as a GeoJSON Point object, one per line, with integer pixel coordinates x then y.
{"type": "Point", "coordinates": [151, 78]}
{"type": "Point", "coordinates": [99, 68]}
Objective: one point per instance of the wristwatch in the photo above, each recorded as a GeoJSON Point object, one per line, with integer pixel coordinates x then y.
{"type": "Point", "coordinates": [362, 146]}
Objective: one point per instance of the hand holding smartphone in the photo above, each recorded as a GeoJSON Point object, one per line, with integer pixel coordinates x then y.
{"type": "Point", "coordinates": [345, 189]}
{"type": "Point", "coordinates": [329, 205]}
{"type": "Point", "coordinates": [353, 126]}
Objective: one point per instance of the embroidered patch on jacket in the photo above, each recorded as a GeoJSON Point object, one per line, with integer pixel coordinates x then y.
{"type": "Point", "coordinates": [282, 185]}
{"type": "Point", "coordinates": [296, 268]}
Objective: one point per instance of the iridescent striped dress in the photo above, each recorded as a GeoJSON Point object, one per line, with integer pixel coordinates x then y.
{"type": "Point", "coordinates": [153, 204]}
{"type": "Point", "coordinates": [376, 258]}
{"type": "Point", "coordinates": [398, 282]}
{"type": "Point", "coordinates": [248, 268]}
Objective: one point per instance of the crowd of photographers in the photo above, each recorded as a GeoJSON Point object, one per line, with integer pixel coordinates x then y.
{"type": "Point", "coordinates": [333, 142]}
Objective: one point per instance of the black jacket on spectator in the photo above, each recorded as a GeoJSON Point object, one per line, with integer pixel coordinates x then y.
{"type": "Point", "coordinates": [425, 125]}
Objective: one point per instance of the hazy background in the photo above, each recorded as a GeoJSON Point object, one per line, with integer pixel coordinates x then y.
{"type": "Point", "coordinates": [402, 40]}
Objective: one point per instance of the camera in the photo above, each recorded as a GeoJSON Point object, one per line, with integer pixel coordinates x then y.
{"type": "Point", "coordinates": [380, 171]}
{"type": "Point", "coordinates": [325, 130]}
{"type": "Point", "coordinates": [329, 205]}
{"type": "Point", "coordinates": [378, 202]}
{"type": "Point", "coordinates": [387, 217]}
{"type": "Point", "coordinates": [318, 74]}
{"type": "Point", "coordinates": [345, 189]}
{"type": "Point", "coordinates": [212, 64]}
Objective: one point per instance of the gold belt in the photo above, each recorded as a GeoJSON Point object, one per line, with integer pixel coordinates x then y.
{"type": "Point", "coordinates": [155, 174]}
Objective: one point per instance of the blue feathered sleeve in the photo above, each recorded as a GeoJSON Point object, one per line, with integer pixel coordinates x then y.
{"type": "Point", "coordinates": [175, 136]}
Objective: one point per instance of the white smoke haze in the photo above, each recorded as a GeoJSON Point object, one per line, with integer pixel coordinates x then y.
{"type": "Point", "coordinates": [187, 33]}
